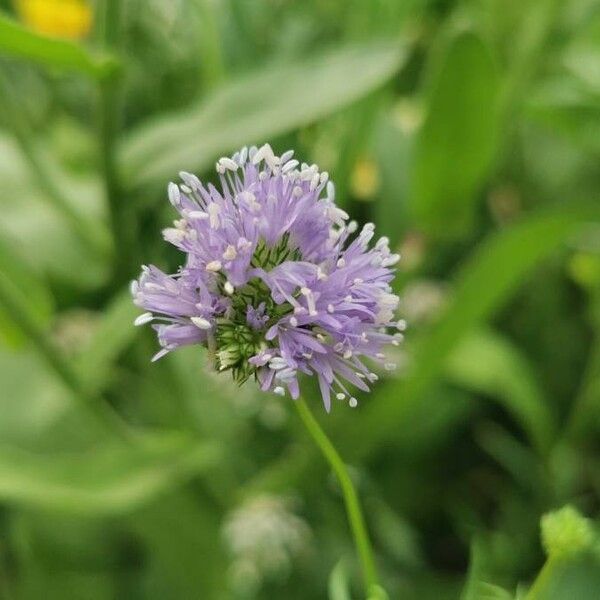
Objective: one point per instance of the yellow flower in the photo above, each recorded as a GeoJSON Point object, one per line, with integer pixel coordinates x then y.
{"type": "Point", "coordinates": [57, 18]}
{"type": "Point", "coordinates": [364, 181]}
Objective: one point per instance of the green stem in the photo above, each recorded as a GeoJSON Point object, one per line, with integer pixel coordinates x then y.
{"type": "Point", "coordinates": [93, 404]}
{"type": "Point", "coordinates": [540, 584]}
{"type": "Point", "coordinates": [353, 510]}
{"type": "Point", "coordinates": [121, 217]}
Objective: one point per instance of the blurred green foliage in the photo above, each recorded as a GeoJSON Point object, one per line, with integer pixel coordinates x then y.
{"type": "Point", "coordinates": [468, 131]}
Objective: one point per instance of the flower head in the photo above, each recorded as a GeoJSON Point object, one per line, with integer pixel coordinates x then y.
{"type": "Point", "coordinates": [57, 18]}
{"type": "Point", "coordinates": [275, 282]}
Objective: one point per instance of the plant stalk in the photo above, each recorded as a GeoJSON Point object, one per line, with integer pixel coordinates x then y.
{"type": "Point", "coordinates": [353, 509]}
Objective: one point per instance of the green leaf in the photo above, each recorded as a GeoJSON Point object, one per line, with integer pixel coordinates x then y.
{"type": "Point", "coordinates": [113, 335]}
{"type": "Point", "coordinates": [30, 291]}
{"type": "Point", "coordinates": [104, 480]}
{"type": "Point", "coordinates": [488, 363]}
{"type": "Point", "coordinates": [475, 588]}
{"type": "Point", "coordinates": [339, 586]}
{"type": "Point", "coordinates": [17, 40]}
{"type": "Point", "coordinates": [484, 282]}
{"type": "Point", "coordinates": [456, 144]}
{"type": "Point", "coordinates": [575, 579]}
{"type": "Point", "coordinates": [255, 108]}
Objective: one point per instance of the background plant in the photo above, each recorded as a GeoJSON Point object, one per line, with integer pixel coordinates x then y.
{"type": "Point", "coordinates": [468, 132]}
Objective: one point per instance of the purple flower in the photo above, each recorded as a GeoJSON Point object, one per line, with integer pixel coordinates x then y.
{"type": "Point", "coordinates": [274, 283]}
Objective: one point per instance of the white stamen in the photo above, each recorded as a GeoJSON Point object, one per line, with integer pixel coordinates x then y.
{"type": "Point", "coordinates": [353, 402]}
{"type": "Point", "coordinates": [401, 325]}
{"type": "Point", "coordinates": [341, 263]}
{"type": "Point", "coordinates": [389, 366]}
{"type": "Point", "coordinates": [230, 253]}
{"type": "Point", "coordinates": [279, 391]}
{"type": "Point", "coordinates": [214, 210]}
{"type": "Point", "coordinates": [174, 236]}
{"type": "Point", "coordinates": [352, 226]}
{"type": "Point", "coordinates": [293, 322]}
{"type": "Point", "coordinates": [340, 396]}
{"type": "Point", "coordinates": [143, 319]}
{"type": "Point", "coordinates": [348, 354]}
{"type": "Point", "coordinates": [201, 323]}
{"type": "Point", "coordinates": [314, 182]}
{"type": "Point", "coordinates": [285, 157]}
{"type": "Point", "coordinates": [160, 354]}
{"type": "Point", "coordinates": [174, 195]}
{"type": "Point", "coordinates": [264, 152]}
{"type": "Point", "coordinates": [197, 215]}
{"type": "Point", "coordinates": [190, 180]}
{"type": "Point", "coordinates": [289, 166]}
{"type": "Point", "coordinates": [390, 260]}
{"type": "Point", "coordinates": [382, 243]}
{"type": "Point", "coordinates": [310, 300]}
{"type": "Point", "coordinates": [214, 266]}
{"type": "Point", "coordinates": [277, 363]}
{"type": "Point", "coordinates": [228, 163]}
{"type": "Point", "coordinates": [228, 287]}
{"type": "Point", "coordinates": [330, 308]}
{"type": "Point", "coordinates": [331, 191]}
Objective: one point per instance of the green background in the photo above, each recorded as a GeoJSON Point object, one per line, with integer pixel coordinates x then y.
{"type": "Point", "coordinates": [469, 133]}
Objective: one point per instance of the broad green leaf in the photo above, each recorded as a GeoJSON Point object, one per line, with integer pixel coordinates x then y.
{"type": "Point", "coordinates": [27, 287]}
{"type": "Point", "coordinates": [114, 333]}
{"type": "Point", "coordinates": [41, 234]}
{"type": "Point", "coordinates": [104, 480]}
{"type": "Point", "coordinates": [339, 586]}
{"type": "Point", "coordinates": [483, 283]}
{"type": "Point", "coordinates": [17, 40]}
{"type": "Point", "coordinates": [32, 401]}
{"type": "Point", "coordinates": [255, 108]}
{"type": "Point", "coordinates": [456, 144]}
{"type": "Point", "coordinates": [564, 108]}
{"type": "Point", "coordinates": [568, 579]}
{"type": "Point", "coordinates": [489, 363]}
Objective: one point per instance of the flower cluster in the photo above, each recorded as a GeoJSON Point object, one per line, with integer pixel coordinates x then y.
{"type": "Point", "coordinates": [276, 281]}
{"type": "Point", "coordinates": [265, 537]}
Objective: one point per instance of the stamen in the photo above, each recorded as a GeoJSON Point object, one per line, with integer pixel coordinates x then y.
{"type": "Point", "coordinates": [201, 323]}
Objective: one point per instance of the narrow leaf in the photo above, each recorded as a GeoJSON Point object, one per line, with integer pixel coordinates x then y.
{"type": "Point", "coordinates": [484, 282]}
{"type": "Point", "coordinates": [455, 147]}
{"type": "Point", "coordinates": [107, 480]}
{"type": "Point", "coordinates": [488, 363]}
{"type": "Point", "coordinates": [255, 108]}
{"type": "Point", "coordinates": [19, 41]}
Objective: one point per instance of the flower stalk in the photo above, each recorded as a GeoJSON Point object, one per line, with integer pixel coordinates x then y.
{"type": "Point", "coordinates": [353, 509]}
